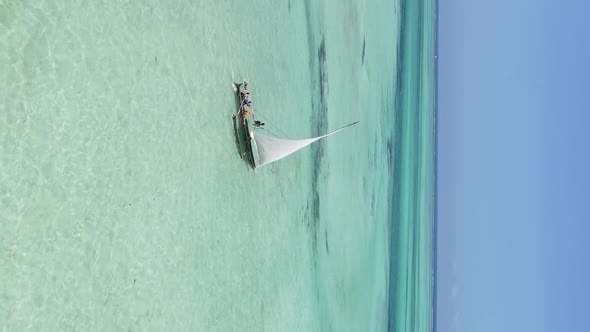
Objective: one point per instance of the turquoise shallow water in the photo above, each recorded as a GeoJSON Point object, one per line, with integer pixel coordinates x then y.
{"type": "Point", "coordinates": [411, 289]}
{"type": "Point", "coordinates": [124, 204]}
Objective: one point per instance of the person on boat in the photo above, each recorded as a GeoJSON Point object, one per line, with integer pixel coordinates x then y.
{"type": "Point", "coordinates": [245, 94]}
{"type": "Point", "coordinates": [245, 114]}
{"type": "Point", "coordinates": [245, 97]}
{"type": "Point", "coordinates": [247, 101]}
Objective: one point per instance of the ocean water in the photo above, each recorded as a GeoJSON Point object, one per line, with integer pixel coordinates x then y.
{"type": "Point", "coordinates": [124, 205]}
{"type": "Point", "coordinates": [412, 235]}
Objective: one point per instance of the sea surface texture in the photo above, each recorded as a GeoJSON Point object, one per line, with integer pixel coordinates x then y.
{"type": "Point", "coordinates": [124, 205]}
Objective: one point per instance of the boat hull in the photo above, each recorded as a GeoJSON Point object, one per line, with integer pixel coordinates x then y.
{"type": "Point", "coordinates": [242, 129]}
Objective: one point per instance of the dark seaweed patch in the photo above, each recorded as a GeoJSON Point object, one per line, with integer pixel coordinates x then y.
{"type": "Point", "coordinates": [320, 119]}
{"type": "Point", "coordinates": [363, 52]}
{"type": "Point", "coordinates": [326, 241]}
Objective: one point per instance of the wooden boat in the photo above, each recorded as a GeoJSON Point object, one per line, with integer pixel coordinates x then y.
{"type": "Point", "coordinates": [241, 126]}
{"type": "Point", "coordinates": [268, 149]}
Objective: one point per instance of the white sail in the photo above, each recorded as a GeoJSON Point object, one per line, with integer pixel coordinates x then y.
{"type": "Point", "coordinates": [271, 148]}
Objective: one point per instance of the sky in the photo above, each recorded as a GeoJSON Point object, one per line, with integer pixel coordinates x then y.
{"type": "Point", "coordinates": [513, 165]}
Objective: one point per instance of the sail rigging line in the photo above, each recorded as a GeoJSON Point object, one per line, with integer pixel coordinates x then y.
{"type": "Point", "coordinates": [268, 131]}
{"type": "Point", "coordinates": [272, 124]}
